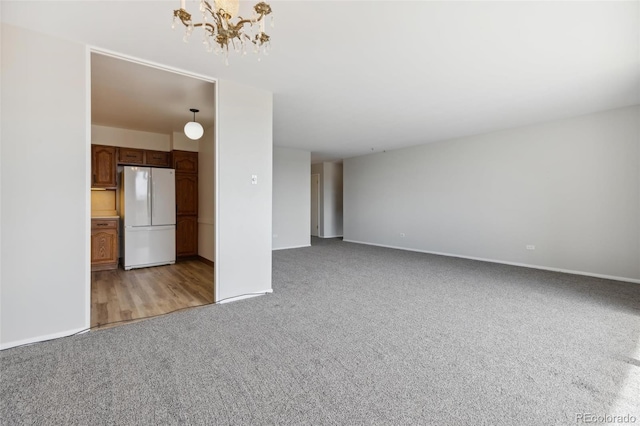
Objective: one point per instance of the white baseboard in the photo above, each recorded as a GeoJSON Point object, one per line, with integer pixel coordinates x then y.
{"type": "Point", "coordinates": [525, 265]}
{"type": "Point", "coordinates": [245, 296]}
{"type": "Point", "coordinates": [330, 236]}
{"type": "Point", "coordinates": [44, 338]}
{"type": "Point", "coordinates": [291, 247]}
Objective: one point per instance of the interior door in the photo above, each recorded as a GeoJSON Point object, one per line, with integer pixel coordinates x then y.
{"type": "Point", "coordinates": [315, 204]}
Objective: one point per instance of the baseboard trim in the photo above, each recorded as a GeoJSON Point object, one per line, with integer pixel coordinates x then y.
{"type": "Point", "coordinates": [43, 338]}
{"type": "Point", "coordinates": [205, 260]}
{"type": "Point", "coordinates": [291, 247]}
{"type": "Point", "coordinates": [503, 262]}
{"type": "Point", "coordinates": [331, 236]}
{"type": "Point", "coordinates": [244, 296]}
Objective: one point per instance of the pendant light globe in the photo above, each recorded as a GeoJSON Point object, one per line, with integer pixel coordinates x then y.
{"type": "Point", "coordinates": [193, 130]}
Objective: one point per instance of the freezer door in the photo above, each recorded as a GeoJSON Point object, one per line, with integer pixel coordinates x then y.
{"type": "Point", "coordinates": [149, 246]}
{"type": "Point", "coordinates": [137, 199]}
{"type": "Point", "coordinates": [163, 190]}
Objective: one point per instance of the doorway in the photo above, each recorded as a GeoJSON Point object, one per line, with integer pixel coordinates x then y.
{"type": "Point", "coordinates": [315, 204]}
{"type": "Point", "coordinates": [137, 115]}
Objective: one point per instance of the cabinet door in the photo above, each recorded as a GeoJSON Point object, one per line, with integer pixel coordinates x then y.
{"type": "Point", "coordinates": [157, 158]}
{"type": "Point", "coordinates": [104, 246]}
{"type": "Point", "coordinates": [185, 161]}
{"type": "Point", "coordinates": [131, 156]}
{"type": "Point", "coordinates": [103, 166]}
{"type": "Point", "coordinates": [186, 236]}
{"type": "Point", "coordinates": [186, 194]}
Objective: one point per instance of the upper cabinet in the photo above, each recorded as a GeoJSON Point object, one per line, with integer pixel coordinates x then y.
{"type": "Point", "coordinates": [185, 161]}
{"type": "Point", "coordinates": [131, 156]}
{"type": "Point", "coordinates": [104, 160]}
{"type": "Point", "coordinates": [144, 157]}
{"type": "Point", "coordinates": [103, 166]}
{"type": "Point", "coordinates": [157, 158]}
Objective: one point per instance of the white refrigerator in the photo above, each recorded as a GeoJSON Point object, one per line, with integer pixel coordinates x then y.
{"type": "Point", "coordinates": [148, 211]}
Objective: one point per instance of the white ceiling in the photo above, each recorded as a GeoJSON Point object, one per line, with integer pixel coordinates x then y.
{"type": "Point", "coordinates": [132, 96]}
{"type": "Point", "coordinates": [349, 77]}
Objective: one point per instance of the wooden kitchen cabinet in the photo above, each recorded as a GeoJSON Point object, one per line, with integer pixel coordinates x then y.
{"type": "Point", "coordinates": [186, 165]}
{"type": "Point", "coordinates": [186, 236]}
{"type": "Point", "coordinates": [157, 158]}
{"type": "Point", "coordinates": [186, 194]}
{"type": "Point", "coordinates": [144, 157]}
{"type": "Point", "coordinates": [104, 244]}
{"type": "Point", "coordinates": [103, 166]}
{"type": "Point", "coordinates": [185, 161]}
{"type": "Point", "coordinates": [131, 156]}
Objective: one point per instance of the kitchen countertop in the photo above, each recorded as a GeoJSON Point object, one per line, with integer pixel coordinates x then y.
{"type": "Point", "coordinates": [105, 217]}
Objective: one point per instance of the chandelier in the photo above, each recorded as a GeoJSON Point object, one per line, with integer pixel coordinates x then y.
{"type": "Point", "coordinates": [220, 32]}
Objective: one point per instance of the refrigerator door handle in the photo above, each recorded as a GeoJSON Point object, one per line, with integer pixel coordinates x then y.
{"type": "Point", "coordinates": [149, 196]}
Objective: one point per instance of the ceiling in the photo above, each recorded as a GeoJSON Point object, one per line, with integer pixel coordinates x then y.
{"type": "Point", "coordinates": [132, 96]}
{"type": "Point", "coordinates": [349, 77]}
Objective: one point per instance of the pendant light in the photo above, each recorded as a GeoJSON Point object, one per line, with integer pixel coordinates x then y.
{"type": "Point", "coordinates": [193, 129]}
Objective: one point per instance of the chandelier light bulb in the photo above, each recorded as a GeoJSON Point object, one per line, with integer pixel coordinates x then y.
{"type": "Point", "coordinates": [232, 7]}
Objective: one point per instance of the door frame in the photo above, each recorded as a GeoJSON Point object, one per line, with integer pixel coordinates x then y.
{"type": "Point", "coordinates": [90, 49]}
{"type": "Point", "coordinates": [317, 204]}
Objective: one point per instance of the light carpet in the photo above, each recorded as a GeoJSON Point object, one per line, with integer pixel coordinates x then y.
{"type": "Point", "coordinates": [352, 335]}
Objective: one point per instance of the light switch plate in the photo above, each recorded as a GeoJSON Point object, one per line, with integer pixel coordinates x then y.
{"type": "Point", "coordinates": [254, 179]}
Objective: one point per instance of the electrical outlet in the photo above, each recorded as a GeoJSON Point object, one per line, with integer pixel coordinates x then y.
{"type": "Point", "coordinates": [530, 247]}
{"type": "Point", "coordinates": [402, 235]}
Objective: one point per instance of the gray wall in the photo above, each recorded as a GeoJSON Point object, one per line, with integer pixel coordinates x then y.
{"type": "Point", "coordinates": [570, 187]}
{"type": "Point", "coordinates": [44, 165]}
{"type": "Point", "coordinates": [317, 169]}
{"type": "Point", "coordinates": [331, 217]}
{"type": "Point", "coordinates": [243, 225]}
{"type": "Point", "coordinates": [291, 198]}
{"type": "Point", "coordinates": [332, 199]}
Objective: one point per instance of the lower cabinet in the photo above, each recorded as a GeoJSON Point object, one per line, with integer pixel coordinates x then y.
{"type": "Point", "coordinates": [186, 236]}
{"type": "Point", "coordinates": [104, 244]}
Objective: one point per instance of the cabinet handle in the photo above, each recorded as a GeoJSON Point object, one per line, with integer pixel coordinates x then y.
{"type": "Point", "coordinates": [103, 224]}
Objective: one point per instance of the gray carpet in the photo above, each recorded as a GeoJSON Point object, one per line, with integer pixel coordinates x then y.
{"type": "Point", "coordinates": [352, 335]}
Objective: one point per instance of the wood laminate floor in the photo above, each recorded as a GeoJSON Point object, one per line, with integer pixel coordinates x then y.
{"type": "Point", "coordinates": [120, 296]}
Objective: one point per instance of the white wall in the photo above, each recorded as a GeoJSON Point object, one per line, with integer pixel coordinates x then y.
{"type": "Point", "coordinates": [291, 198]}
{"type": "Point", "coordinates": [332, 200]}
{"type": "Point", "coordinates": [114, 136]}
{"type": "Point", "coordinates": [206, 194]}
{"type": "Point", "coordinates": [331, 216]}
{"type": "Point", "coordinates": [570, 187]}
{"type": "Point", "coordinates": [318, 169]}
{"type": "Point", "coordinates": [180, 142]}
{"type": "Point", "coordinates": [45, 265]}
{"type": "Point", "coordinates": [243, 227]}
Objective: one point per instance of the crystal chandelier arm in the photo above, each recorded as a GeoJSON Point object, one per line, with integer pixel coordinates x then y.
{"type": "Point", "coordinates": [262, 9]}
{"type": "Point", "coordinates": [183, 15]}
{"type": "Point", "coordinates": [185, 18]}
{"type": "Point", "coordinates": [241, 23]}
